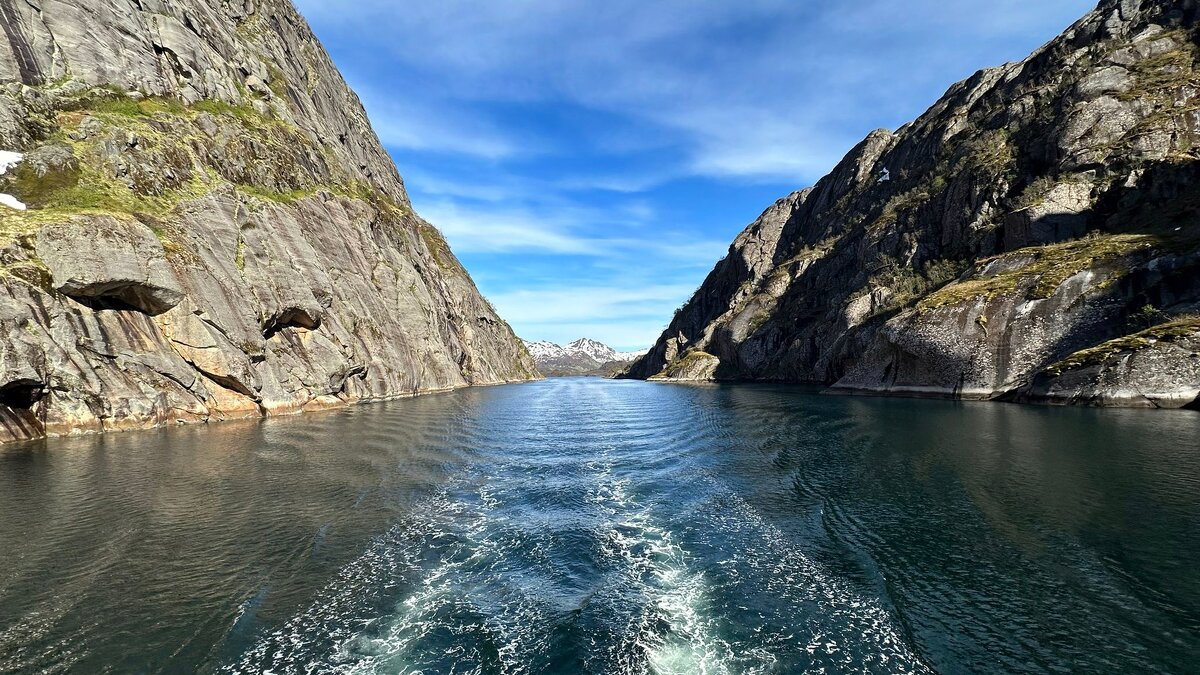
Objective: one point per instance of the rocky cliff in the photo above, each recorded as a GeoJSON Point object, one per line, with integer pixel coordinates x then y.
{"type": "Point", "coordinates": [1034, 236]}
{"type": "Point", "coordinates": [199, 224]}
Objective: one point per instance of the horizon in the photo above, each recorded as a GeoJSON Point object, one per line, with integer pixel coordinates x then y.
{"type": "Point", "coordinates": [590, 166]}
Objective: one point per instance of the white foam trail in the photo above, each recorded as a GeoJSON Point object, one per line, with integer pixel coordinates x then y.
{"type": "Point", "coordinates": [681, 631]}
{"type": "Point", "coordinates": [465, 566]}
{"type": "Point", "coordinates": [470, 578]}
{"type": "Point", "coordinates": [389, 558]}
{"type": "Point", "coordinates": [675, 596]}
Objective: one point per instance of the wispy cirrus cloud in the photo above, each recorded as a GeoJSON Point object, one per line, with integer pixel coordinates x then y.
{"type": "Point", "coordinates": [580, 150]}
{"type": "Point", "coordinates": [625, 314]}
{"type": "Point", "coordinates": [402, 122]}
{"type": "Point", "coordinates": [571, 230]}
{"type": "Point", "coordinates": [767, 89]}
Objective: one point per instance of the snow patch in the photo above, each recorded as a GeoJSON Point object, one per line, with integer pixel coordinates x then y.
{"type": "Point", "coordinates": [11, 202]}
{"type": "Point", "coordinates": [8, 160]}
{"type": "Point", "coordinates": [544, 350]}
{"type": "Point", "coordinates": [599, 351]}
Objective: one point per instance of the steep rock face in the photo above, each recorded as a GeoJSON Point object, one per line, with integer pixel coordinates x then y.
{"type": "Point", "coordinates": [1038, 210]}
{"type": "Point", "coordinates": [213, 229]}
{"type": "Point", "coordinates": [1157, 367]}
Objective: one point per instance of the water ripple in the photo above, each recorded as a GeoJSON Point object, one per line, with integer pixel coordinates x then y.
{"type": "Point", "coordinates": [588, 526]}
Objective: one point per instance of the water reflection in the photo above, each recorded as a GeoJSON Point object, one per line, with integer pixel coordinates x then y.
{"type": "Point", "coordinates": [596, 526]}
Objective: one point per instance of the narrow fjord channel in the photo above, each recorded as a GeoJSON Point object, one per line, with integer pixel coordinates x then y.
{"type": "Point", "coordinates": [593, 526]}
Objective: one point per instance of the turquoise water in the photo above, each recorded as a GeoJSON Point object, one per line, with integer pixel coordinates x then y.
{"type": "Point", "coordinates": [593, 526]}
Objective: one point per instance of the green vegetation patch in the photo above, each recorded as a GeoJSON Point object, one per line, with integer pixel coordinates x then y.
{"type": "Point", "coordinates": [680, 366]}
{"type": "Point", "coordinates": [94, 194]}
{"type": "Point", "coordinates": [437, 246]}
{"type": "Point", "coordinates": [47, 190]}
{"type": "Point", "coordinates": [91, 191]}
{"type": "Point", "coordinates": [906, 283]}
{"type": "Point", "coordinates": [119, 108]}
{"type": "Point", "coordinates": [1182, 327]}
{"type": "Point", "coordinates": [991, 152]}
{"type": "Point", "coordinates": [1039, 189]}
{"type": "Point", "coordinates": [168, 138]}
{"type": "Point", "coordinates": [113, 102]}
{"type": "Point", "coordinates": [245, 114]}
{"type": "Point", "coordinates": [1165, 81]}
{"type": "Point", "coordinates": [905, 202]}
{"type": "Point", "coordinates": [1158, 75]}
{"type": "Point", "coordinates": [1054, 264]}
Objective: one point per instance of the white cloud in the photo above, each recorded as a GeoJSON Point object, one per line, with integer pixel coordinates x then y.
{"type": "Point", "coordinates": [758, 144]}
{"type": "Point", "coordinates": [762, 89]}
{"type": "Point", "coordinates": [569, 229]}
{"type": "Point", "coordinates": [409, 124]}
{"type": "Point", "coordinates": [499, 230]}
{"type": "Point", "coordinates": [584, 303]}
{"type": "Point", "coordinates": [626, 316]}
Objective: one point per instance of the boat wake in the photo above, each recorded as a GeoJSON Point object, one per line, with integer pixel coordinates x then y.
{"type": "Point", "coordinates": [583, 569]}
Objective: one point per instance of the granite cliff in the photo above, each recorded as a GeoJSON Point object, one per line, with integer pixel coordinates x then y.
{"type": "Point", "coordinates": [199, 223]}
{"type": "Point", "coordinates": [1034, 236]}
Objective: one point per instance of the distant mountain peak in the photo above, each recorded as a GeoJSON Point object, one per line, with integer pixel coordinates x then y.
{"type": "Point", "coordinates": [593, 348]}
{"type": "Point", "coordinates": [584, 356]}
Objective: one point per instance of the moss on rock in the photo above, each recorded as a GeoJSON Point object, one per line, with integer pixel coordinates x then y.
{"type": "Point", "coordinates": [1094, 356]}
{"type": "Point", "coordinates": [1051, 265]}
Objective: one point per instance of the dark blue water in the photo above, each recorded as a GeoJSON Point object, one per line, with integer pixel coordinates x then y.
{"type": "Point", "coordinates": [591, 526]}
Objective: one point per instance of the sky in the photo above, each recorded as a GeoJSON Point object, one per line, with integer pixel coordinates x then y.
{"type": "Point", "coordinates": [589, 162]}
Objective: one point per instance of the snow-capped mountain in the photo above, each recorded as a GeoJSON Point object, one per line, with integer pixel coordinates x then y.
{"type": "Point", "coordinates": [581, 357]}
{"type": "Point", "coordinates": [543, 349]}
{"type": "Point", "coordinates": [598, 351]}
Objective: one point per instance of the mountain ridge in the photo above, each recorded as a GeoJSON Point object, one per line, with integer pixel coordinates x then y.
{"type": "Point", "coordinates": [213, 230]}
{"type": "Point", "coordinates": [1031, 237]}
{"type": "Point", "coordinates": [584, 356]}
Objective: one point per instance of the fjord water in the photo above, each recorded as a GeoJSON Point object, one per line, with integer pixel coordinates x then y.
{"type": "Point", "coordinates": [575, 526]}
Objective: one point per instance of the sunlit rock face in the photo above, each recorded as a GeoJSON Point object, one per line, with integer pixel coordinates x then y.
{"type": "Point", "coordinates": [1033, 236]}
{"type": "Point", "coordinates": [211, 229]}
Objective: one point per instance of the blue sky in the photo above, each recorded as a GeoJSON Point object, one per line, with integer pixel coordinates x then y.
{"type": "Point", "coordinates": [590, 161]}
